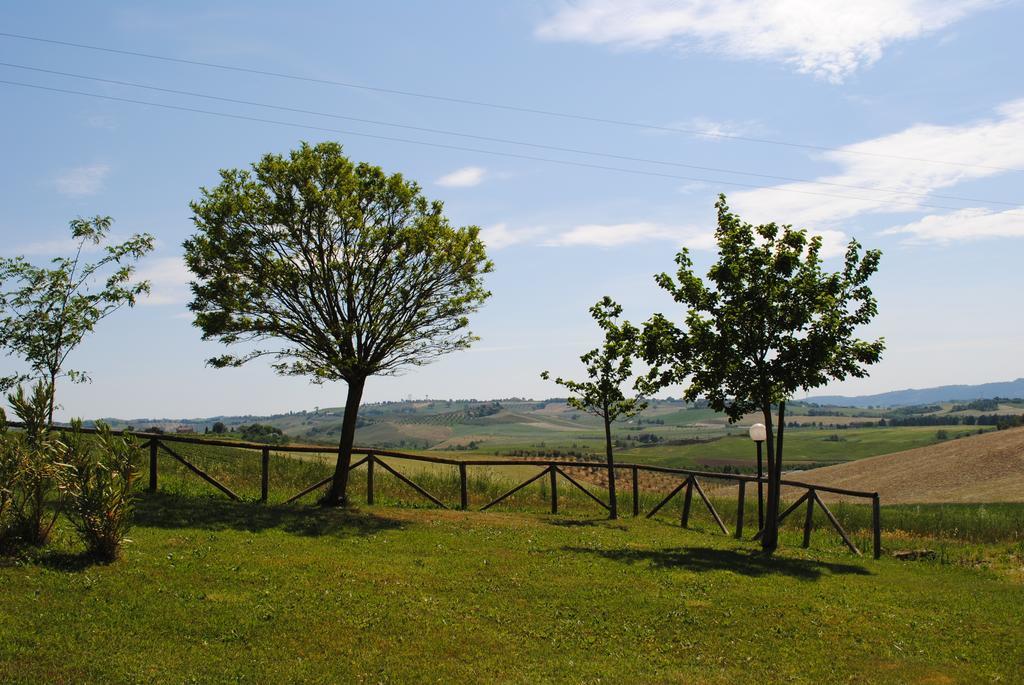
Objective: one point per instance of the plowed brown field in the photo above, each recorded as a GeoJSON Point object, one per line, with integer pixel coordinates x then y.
{"type": "Point", "coordinates": [980, 468]}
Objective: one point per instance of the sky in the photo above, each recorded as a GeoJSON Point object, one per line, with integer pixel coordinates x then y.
{"type": "Point", "coordinates": [896, 122]}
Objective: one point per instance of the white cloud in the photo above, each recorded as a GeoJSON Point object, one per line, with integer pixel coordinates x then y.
{"type": "Point", "coordinates": [992, 145]}
{"type": "Point", "coordinates": [500, 236]}
{"type": "Point", "coordinates": [466, 177]}
{"type": "Point", "coordinates": [828, 38]}
{"type": "Point", "coordinates": [61, 247]}
{"type": "Point", "coordinates": [833, 243]}
{"type": "Point", "coordinates": [715, 130]}
{"type": "Point", "coordinates": [48, 248]}
{"type": "Point", "coordinates": [82, 181]}
{"type": "Point", "coordinates": [966, 224]}
{"type": "Point", "coordinates": [169, 278]}
{"type": "Point", "coordinates": [615, 235]}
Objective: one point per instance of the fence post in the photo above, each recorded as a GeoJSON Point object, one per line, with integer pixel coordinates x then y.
{"type": "Point", "coordinates": [636, 491]}
{"type": "Point", "coordinates": [739, 509]}
{"type": "Point", "coordinates": [369, 478]}
{"type": "Point", "coordinates": [876, 524]}
{"type": "Point", "coordinates": [264, 474]}
{"type": "Point", "coordinates": [463, 488]}
{"type": "Point", "coordinates": [809, 520]}
{"type": "Point", "coordinates": [554, 489]}
{"type": "Point", "coordinates": [152, 464]}
{"type": "Point", "coordinates": [685, 522]}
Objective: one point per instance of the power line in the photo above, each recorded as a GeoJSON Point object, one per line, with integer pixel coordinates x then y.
{"type": "Point", "coordinates": [461, 148]}
{"type": "Point", "coordinates": [508, 141]}
{"type": "Point", "coordinates": [498, 106]}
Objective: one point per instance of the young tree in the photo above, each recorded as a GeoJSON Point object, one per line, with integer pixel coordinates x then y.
{"type": "Point", "coordinates": [46, 312]}
{"type": "Point", "coordinates": [608, 367]}
{"type": "Point", "coordinates": [334, 270]}
{"type": "Point", "coordinates": [769, 322]}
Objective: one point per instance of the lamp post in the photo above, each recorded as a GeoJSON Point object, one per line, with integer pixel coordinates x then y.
{"type": "Point", "coordinates": [757, 434]}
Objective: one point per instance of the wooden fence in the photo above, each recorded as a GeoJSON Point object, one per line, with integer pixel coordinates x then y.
{"type": "Point", "coordinates": [552, 468]}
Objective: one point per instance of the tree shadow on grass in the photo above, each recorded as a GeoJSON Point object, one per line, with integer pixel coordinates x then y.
{"type": "Point", "coordinates": [586, 523]}
{"type": "Point", "coordinates": [69, 561]}
{"type": "Point", "coordinates": [746, 563]}
{"type": "Point", "coordinates": [165, 510]}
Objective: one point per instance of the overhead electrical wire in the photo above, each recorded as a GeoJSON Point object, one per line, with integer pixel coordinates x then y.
{"type": "Point", "coordinates": [497, 106]}
{"type": "Point", "coordinates": [641, 172]}
{"type": "Point", "coordinates": [508, 141]}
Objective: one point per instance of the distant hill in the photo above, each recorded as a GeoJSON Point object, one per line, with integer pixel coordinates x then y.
{"type": "Point", "coordinates": [942, 393]}
{"type": "Point", "coordinates": [980, 468]}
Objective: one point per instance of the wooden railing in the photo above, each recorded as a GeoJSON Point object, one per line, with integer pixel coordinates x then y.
{"type": "Point", "coordinates": [553, 468]}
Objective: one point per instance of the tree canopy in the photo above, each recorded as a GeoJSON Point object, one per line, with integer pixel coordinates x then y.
{"type": "Point", "coordinates": [332, 269]}
{"type": "Point", "coordinates": [48, 311]}
{"type": "Point", "coordinates": [769, 321]}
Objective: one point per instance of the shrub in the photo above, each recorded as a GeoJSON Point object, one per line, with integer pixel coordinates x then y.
{"type": "Point", "coordinates": [99, 488]}
{"type": "Point", "coordinates": [33, 463]}
{"type": "Point", "coordinates": [9, 475]}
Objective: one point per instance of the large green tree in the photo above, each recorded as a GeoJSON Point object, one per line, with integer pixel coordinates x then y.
{"type": "Point", "coordinates": [334, 270]}
{"type": "Point", "coordinates": [608, 368]}
{"type": "Point", "coordinates": [768, 322]}
{"type": "Point", "coordinates": [48, 311]}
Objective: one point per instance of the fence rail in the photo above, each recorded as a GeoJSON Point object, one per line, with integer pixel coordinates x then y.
{"type": "Point", "coordinates": [553, 468]}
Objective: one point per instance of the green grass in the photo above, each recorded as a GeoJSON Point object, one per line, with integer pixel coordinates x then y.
{"type": "Point", "coordinates": [977, 523]}
{"type": "Point", "coordinates": [216, 591]}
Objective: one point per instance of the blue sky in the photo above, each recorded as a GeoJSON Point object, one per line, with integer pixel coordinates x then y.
{"type": "Point", "coordinates": [918, 104]}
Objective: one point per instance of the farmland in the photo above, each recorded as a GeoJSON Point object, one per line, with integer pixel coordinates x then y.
{"type": "Point", "coordinates": [984, 468]}
{"type": "Point", "coordinates": [669, 432]}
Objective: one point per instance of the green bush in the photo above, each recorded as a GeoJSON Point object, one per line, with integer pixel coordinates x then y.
{"type": "Point", "coordinates": [9, 473]}
{"type": "Point", "coordinates": [33, 470]}
{"type": "Point", "coordinates": [98, 488]}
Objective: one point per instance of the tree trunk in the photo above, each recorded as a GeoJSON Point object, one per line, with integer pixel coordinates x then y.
{"type": "Point", "coordinates": [778, 453]}
{"type": "Point", "coordinates": [770, 538]}
{"type": "Point", "coordinates": [53, 399]}
{"type": "Point", "coordinates": [337, 496]}
{"type": "Point", "coordinates": [770, 532]}
{"type": "Point", "coordinates": [612, 502]}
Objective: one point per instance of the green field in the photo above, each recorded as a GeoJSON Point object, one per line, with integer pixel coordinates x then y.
{"type": "Point", "coordinates": [803, 446]}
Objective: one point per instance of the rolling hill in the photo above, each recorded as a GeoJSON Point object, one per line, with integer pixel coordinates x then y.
{"type": "Point", "coordinates": [979, 468]}
{"type": "Point", "coordinates": [942, 393]}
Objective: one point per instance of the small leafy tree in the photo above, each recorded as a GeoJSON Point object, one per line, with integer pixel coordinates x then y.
{"type": "Point", "coordinates": [608, 367]}
{"type": "Point", "coordinates": [33, 460]}
{"type": "Point", "coordinates": [98, 488]}
{"type": "Point", "coordinates": [770, 321]}
{"type": "Point", "coordinates": [334, 270]}
{"type": "Point", "coordinates": [46, 312]}
{"type": "Point", "coordinates": [10, 476]}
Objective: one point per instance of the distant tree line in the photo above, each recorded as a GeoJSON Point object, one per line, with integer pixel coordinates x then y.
{"type": "Point", "coordinates": [259, 432]}
{"type": "Point", "coordinates": [642, 438]}
{"type": "Point", "coordinates": [1000, 421]}
{"type": "Point", "coordinates": [479, 411]}
{"type": "Point", "coordinates": [978, 405]}
{"type": "Point", "coordinates": [548, 454]}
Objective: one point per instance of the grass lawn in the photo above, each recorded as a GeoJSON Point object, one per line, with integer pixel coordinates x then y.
{"type": "Point", "coordinates": [216, 591]}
